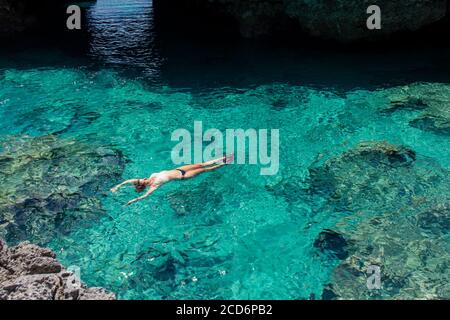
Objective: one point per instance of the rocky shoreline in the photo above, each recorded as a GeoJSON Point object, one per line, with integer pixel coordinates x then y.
{"type": "Point", "coordinates": [49, 185]}
{"type": "Point", "coordinates": [29, 272]}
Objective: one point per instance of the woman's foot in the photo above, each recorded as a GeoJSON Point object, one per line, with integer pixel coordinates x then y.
{"type": "Point", "coordinates": [228, 158]}
{"type": "Point", "coordinates": [224, 160]}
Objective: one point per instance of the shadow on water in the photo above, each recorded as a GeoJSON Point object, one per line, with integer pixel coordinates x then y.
{"type": "Point", "coordinates": [124, 36]}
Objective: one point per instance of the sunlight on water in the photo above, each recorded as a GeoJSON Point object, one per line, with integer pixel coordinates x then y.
{"type": "Point", "coordinates": [122, 32]}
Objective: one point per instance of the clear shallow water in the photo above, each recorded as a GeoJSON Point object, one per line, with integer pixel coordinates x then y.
{"type": "Point", "coordinates": [222, 235]}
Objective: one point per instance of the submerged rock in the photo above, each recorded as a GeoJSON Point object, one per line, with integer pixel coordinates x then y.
{"type": "Point", "coordinates": [413, 264]}
{"type": "Point", "coordinates": [29, 272]}
{"type": "Point", "coordinates": [371, 176]}
{"type": "Point", "coordinates": [51, 184]}
{"type": "Point", "coordinates": [410, 103]}
{"type": "Point", "coordinates": [328, 293]}
{"type": "Point", "coordinates": [431, 100]}
{"type": "Point", "coordinates": [332, 242]}
{"type": "Point", "coordinates": [436, 123]}
{"type": "Point", "coordinates": [169, 268]}
{"type": "Point", "coordinates": [435, 220]}
{"type": "Point", "coordinates": [79, 121]}
{"type": "Point", "coordinates": [201, 199]}
{"type": "Point", "coordinates": [157, 269]}
{"type": "Point", "coordinates": [291, 190]}
{"type": "Point", "coordinates": [396, 207]}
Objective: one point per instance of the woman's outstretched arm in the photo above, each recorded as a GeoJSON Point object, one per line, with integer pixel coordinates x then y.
{"type": "Point", "coordinates": [123, 183]}
{"type": "Point", "coordinates": [149, 192]}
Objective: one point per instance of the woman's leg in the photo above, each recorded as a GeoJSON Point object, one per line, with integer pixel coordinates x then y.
{"type": "Point", "coordinates": [190, 167]}
{"type": "Point", "coordinates": [195, 172]}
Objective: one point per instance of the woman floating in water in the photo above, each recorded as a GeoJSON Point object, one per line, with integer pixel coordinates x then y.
{"type": "Point", "coordinates": [156, 180]}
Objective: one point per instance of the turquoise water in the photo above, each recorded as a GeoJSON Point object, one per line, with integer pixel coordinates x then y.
{"type": "Point", "coordinates": [223, 234]}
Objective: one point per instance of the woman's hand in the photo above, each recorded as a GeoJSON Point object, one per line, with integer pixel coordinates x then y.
{"type": "Point", "coordinates": [149, 192]}
{"type": "Point", "coordinates": [114, 189]}
{"type": "Point", "coordinates": [134, 200]}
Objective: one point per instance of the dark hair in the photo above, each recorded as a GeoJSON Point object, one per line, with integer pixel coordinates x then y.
{"type": "Point", "coordinates": [139, 187]}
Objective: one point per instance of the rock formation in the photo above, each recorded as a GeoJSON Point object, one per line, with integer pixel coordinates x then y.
{"type": "Point", "coordinates": [18, 16]}
{"type": "Point", "coordinates": [193, 200]}
{"type": "Point", "coordinates": [29, 272]}
{"type": "Point", "coordinates": [333, 242]}
{"type": "Point", "coordinates": [50, 184]}
{"type": "Point", "coordinates": [342, 20]}
{"type": "Point", "coordinates": [430, 100]}
{"type": "Point", "coordinates": [395, 209]}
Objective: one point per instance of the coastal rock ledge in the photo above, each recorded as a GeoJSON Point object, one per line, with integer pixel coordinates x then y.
{"type": "Point", "coordinates": [29, 272]}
